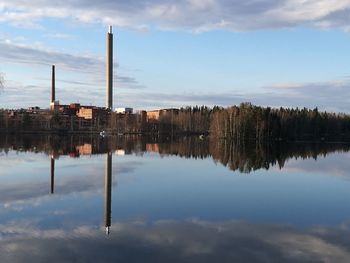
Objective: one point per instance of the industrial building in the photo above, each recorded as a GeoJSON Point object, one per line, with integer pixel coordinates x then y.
{"type": "Point", "coordinates": [154, 115]}
{"type": "Point", "coordinates": [92, 112]}
{"type": "Point", "coordinates": [75, 117]}
{"type": "Point", "coordinates": [82, 111]}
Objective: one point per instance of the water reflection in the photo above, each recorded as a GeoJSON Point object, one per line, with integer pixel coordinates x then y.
{"type": "Point", "coordinates": [107, 189]}
{"type": "Point", "coordinates": [108, 192]}
{"type": "Point", "coordinates": [170, 209]}
{"type": "Point", "coordinates": [176, 241]}
{"type": "Point", "coordinates": [242, 157]}
{"type": "Point", "coordinates": [52, 174]}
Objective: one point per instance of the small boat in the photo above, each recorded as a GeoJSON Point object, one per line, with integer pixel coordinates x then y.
{"type": "Point", "coordinates": [102, 133]}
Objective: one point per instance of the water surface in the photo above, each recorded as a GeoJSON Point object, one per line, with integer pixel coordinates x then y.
{"type": "Point", "coordinates": [86, 199]}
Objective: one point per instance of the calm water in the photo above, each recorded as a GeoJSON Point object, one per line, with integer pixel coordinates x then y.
{"type": "Point", "coordinates": [144, 200]}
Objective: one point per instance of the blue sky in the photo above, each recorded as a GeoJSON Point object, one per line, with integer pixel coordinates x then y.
{"type": "Point", "coordinates": [289, 53]}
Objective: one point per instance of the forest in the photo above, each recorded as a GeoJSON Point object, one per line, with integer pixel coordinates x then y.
{"type": "Point", "coordinates": [248, 122]}
{"type": "Point", "coordinates": [245, 122]}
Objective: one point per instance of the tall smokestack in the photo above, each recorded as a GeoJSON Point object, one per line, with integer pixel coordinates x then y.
{"type": "Point", "coordinates": [53, 85]}
{"type": "Point", "coordinates": [109, 70]}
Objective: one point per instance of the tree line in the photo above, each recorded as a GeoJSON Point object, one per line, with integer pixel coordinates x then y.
{"type": "Point", "coordinates": [248, 122]}
{"type": "Point", "coordinates": [245, 122]}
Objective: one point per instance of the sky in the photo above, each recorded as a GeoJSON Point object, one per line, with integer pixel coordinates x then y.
{"type": "Point", "coordinates": [289, 53]}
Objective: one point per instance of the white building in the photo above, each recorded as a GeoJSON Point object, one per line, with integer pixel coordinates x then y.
{"type": "Point", "coordinates": [124, 110]}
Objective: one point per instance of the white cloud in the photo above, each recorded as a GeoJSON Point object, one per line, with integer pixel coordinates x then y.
{"type": "Point", "coordinates": [191, 15]}
{"type": "Point", "coordinates": [331, 96]}
{"type": "Point", "coordinates": [38, 55]}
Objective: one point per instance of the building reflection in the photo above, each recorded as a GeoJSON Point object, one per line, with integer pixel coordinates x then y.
{"type": "Point", "coordinates": [108, 192]}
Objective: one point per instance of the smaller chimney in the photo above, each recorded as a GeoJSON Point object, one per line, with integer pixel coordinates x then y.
{"type": "Point", "coordinates": [53, 85]}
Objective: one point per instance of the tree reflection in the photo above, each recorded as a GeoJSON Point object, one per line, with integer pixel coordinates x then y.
{"type": "Point", "coordinates": [242, 156]}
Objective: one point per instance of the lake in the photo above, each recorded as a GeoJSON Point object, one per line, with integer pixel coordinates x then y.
{"type": "Point", "coordinates": [133, 199]}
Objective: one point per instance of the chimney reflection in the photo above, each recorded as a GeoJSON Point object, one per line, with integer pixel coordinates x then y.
{"type": "Point", "coordinates": [108, 192]}
{"type": "Point", "coordinates": [52, 174]}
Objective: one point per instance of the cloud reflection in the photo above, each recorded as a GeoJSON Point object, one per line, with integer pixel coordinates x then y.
{"type": "Point", "coordinates": [16, 195]}
{"type": "Point", "coordinates": [175, 241]}
{"type": "Point", "coordinates": [332, 165]}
